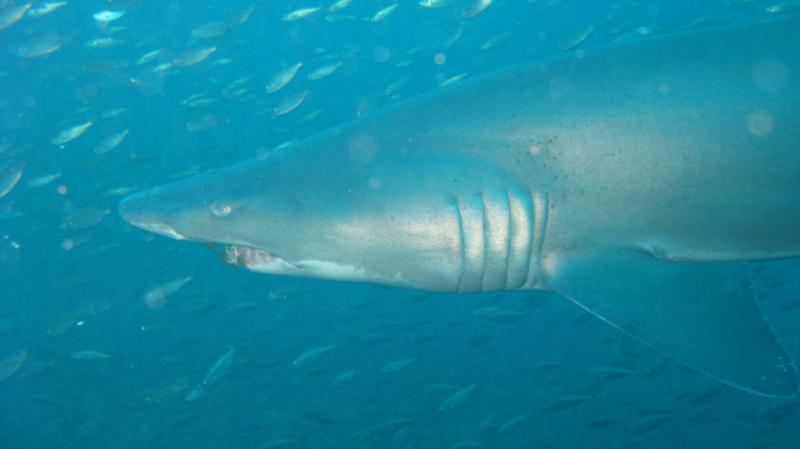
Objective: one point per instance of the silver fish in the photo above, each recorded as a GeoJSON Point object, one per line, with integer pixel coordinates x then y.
{"type": "Point", "coordinates": [213, 374]}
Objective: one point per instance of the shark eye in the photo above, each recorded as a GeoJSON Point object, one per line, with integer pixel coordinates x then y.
{"type": "Point", "coordinates": [221, 209]}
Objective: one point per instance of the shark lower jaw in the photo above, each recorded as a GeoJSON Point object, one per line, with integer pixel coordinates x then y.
{"type": "Point", "coordinates": [256, 259]}
{"type": "Point", "coordinates": [263, 261]}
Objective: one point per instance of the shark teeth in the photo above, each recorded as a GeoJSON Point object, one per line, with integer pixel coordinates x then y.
{"type": "Point", "coordinates": [247, 257]}
{"type": "Point", "coordinates": [257, 259]}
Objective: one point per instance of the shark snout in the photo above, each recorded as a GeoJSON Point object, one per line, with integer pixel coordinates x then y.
{"type": "Point", "coordinates": [142, 210]}
{"type": "Point", "coordinates": [130, 207]}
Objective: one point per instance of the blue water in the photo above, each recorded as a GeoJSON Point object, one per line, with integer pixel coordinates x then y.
{"type": "Point", "coordinates": [310, 363]}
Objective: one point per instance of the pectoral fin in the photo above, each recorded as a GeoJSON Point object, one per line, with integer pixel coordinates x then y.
{"type": "Point", "coordinates": [704, 315]}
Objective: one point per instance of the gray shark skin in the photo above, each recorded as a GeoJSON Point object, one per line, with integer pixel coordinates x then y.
{"type": "Point", "coordinates": [636, 180]}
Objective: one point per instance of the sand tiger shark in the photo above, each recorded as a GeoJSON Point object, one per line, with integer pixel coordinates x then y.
{"type": "Point", "coordinates": [639, 180]}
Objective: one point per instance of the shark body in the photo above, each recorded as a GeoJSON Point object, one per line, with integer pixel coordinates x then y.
{"type": "Point", "coordinates": [637, 180]}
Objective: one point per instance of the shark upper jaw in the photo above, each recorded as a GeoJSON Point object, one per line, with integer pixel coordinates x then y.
{"type": "Point", "coordinates": [132, 210]}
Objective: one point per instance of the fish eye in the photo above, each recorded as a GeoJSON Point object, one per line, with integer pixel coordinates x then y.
{"type": "Point", "coordinates": [221, 209]}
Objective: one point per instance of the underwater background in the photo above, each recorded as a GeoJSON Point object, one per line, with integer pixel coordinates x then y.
{"type": "Point", "coordinates": [112, 337]}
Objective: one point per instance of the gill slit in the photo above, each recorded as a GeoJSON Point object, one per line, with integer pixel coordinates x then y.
{"type": "Point", "coordinates": [462, 248]}
{"type": "Point", "coordinates": [530, 218]}
{"type": "Point", "coordinates": [509, 238]}
{"type": "Point", "coordinates": [541, 206]}
{"type": "Point", "coordinates": [485, 233]}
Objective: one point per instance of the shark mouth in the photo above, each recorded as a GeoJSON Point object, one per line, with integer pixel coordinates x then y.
{"type": "Point", "coordinates": [255, 259]}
